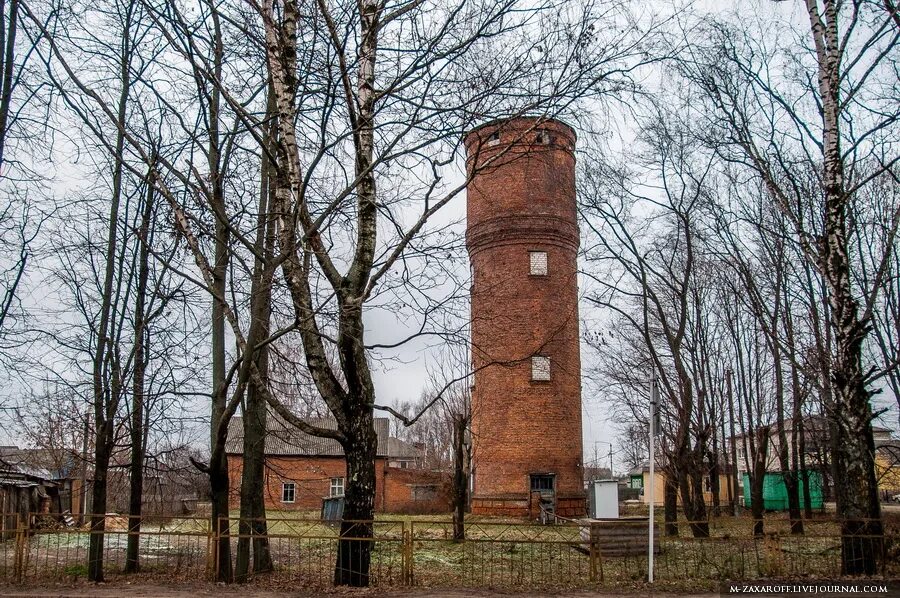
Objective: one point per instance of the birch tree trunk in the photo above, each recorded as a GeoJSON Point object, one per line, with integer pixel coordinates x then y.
{"type": "Point", "coordinates": [853, 447]}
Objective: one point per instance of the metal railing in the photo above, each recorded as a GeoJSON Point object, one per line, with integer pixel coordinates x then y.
{"type": "Point", "coordinates": [306, 550]}
{"type": "Point", "coordinates": [406, 552]}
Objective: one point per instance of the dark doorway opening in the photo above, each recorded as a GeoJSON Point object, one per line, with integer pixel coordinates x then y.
{"type": "Point", "coordinates": [544, 485]}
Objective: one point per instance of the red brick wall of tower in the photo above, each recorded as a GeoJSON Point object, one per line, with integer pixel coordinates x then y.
{"type": "Point", "coordinates": [521, 199]}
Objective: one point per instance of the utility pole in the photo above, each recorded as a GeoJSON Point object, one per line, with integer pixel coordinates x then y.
{"type": "Point", "coordinates": [654, 394]}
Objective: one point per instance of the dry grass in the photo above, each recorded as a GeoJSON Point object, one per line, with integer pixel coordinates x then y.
{"type": "Point", "coordinates": [498, 553]}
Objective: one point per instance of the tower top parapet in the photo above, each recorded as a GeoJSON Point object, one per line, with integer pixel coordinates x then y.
{"type": "Point", "coordinates": [522, 184]}
{"type": "Point", "coordinates": [520, 132]}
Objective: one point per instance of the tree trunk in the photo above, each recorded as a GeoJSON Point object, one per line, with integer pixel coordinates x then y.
{"type": "Point", "coordinates": [699, 521]}
{"type": "Point", "coordinates": [460, 480]}
{"type": "Point", "coordinates": [102, 454]}
{"type": "Point", "coordinates": [8, 68]}
{"type": "Point", "coordinates": [757, 481]}
{"type": "Point", "coordinates": [690, 484]}
{"type": "Point", "coordinates": [798, 442]}
{"type": "Point", "coordinates": [804, 469]}
{"type": "Point", "coordinates": [136, 478]}
{"type": "Point", "coordinates": [787, 473]}
{"type": "Point", "coordinates": [853, 446]}
{"type": "Point", "coordinates": [714, 480]}
{"type": "Point", "coordinates": [734, 467]}
{"type": "Point", "coordinates": [670, 504]}
{"type": "Point", "coordinates": [253, 503]}
{"type": "Point", "coordinates": [218, 466]}
{"type": "Point", "coordinates": [355, 545]}
{"type": "Point", "coordinates": [218, 485]}
{"type": "Point", "coordinates": [252, 518]}
{"type": "Point", "coordinates": [105, 391]}
{"type": "Point", "coordinates": [83, 491]}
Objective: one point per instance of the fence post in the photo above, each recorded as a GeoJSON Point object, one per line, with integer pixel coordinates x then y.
{"type": "Point", "coordinates": [407, 554]}
{"type": "Point", "coordinates": [596, 563]}
{"type": "Point", "coordinates": [217, 545]}
{"type": "Point", "coordinates": [211, 549]}
{"type": "Point", "coordinates": [19, 558]}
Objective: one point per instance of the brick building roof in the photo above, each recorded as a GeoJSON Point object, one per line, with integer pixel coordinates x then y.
{"type": "Point", "coordinates": [283, 439]}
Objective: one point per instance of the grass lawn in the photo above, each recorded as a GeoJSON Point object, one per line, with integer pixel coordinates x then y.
{"type": "Point", "coordinates": [497, 553]}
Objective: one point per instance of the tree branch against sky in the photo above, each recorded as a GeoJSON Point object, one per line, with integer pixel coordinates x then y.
{"type": "Point", "coordinates": [254, 208]}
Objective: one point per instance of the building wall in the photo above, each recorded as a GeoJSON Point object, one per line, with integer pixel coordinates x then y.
{"type": "Point", "coordinates": [659, 489]}
{"type": "Point", "coordinates": [523, 202]}
{"type": "Point", "coordinates": [396, 490]}
{"type": "Point", "coordinates": [415, 491]}
{"type": "Point", "coordinates": [817, 448]}
{"type": "Point", "coordinates": [888, 474]}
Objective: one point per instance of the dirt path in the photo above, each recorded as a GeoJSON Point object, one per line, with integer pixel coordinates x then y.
{"type": "Point", "coordinates": [185, 591]}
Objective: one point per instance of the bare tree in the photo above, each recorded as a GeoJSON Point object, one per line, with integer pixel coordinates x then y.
{"type": "Point", "coordinates": [769, 123]}
{"type": "Point", "coordinates": [370, 104]}
{"type": "Point", "coordinates": [648, 283]}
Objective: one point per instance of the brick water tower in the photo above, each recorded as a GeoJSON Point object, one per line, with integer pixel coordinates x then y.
{"type": "Point", "coordinates": [522, 239]}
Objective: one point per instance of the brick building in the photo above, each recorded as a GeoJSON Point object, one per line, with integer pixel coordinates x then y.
{"type": "Point", "coordinates": [522, 239]}
{"type": "Point", "coordinates": [301, 470]}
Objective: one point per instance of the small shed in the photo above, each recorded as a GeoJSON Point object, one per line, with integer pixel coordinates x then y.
{"type": "Point", "coordinates": [775, 492]}
{"type": "Point", "coordinates": [20, 495]}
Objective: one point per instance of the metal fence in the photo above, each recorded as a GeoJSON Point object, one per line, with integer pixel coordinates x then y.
{"type": "Point", "coordinates": [404, 552]}
{"type": "Point", "coordinates": [305, 550]}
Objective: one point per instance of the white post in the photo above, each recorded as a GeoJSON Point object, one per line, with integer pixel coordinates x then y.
{"type": "Point", "coordinates": [651, 488]}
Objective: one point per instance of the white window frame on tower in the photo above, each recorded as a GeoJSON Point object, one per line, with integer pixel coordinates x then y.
{"type": "Point", "coordinates": [540, 368]}
{"type": "Point", "coordinates": [538, 263]}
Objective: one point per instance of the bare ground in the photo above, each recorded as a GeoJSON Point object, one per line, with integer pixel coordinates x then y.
{"type": "Point", "coordinates": [209, 589]}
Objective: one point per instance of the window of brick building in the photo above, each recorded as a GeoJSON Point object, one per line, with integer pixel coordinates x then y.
{"type": "Point", "coordinates": [288, 491]}
{"type": "Point", "coordinates": [540, 368]}
{"type": "Point", "coordinates": [543, 138]}
{"type": "Point", "coordinates": [494, 138]}
{"type": "Point", "coordinates": [538, 262]}
{"type": "Point", "coordinates": [541, 483]}
{"type": "Point", "coordinates": [337, 487]}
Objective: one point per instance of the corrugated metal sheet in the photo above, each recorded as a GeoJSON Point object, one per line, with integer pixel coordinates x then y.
{"type": "Point", "coordinates": [284, 439]}
{"type": "Point", "coordinates": [332, 508]}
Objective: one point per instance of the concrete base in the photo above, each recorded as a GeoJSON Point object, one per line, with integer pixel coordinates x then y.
{"type": "Point", "coordinates": [520, 506]}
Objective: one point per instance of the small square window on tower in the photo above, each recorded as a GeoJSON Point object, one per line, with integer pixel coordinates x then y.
{"type": "Point", "coordinates": [540, 368]}
{"type": "Point", "coordinates": [538, 260]}
{"type": "Point", "coordinates": [494, 138]}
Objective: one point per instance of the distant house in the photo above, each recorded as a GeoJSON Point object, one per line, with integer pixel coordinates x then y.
{"type": "Point", "coordinates": [639, 477]}
{"type": "Point", "coordinates": [817, 440]}
{"type": "Point", "coordinates": [53, 474]}
{"type": "Point", "coordinates": [167, 489]}
{"type": "Point", "coordinates": [30, 484]}
{"type": "Point", "coordinates": [301, 470]}
{"type": "Point", "coordinates": [596, 472]}
{"type": "Point", "coordinates": [887, 468]}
